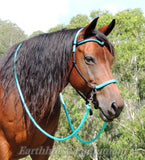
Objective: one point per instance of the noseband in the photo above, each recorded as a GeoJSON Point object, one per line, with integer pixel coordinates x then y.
{"type": "Point", "coordinates": [93, 88]}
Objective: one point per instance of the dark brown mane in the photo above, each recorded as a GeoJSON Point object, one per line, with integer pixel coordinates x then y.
{"type": "Point", "coordinates": [42, 66]}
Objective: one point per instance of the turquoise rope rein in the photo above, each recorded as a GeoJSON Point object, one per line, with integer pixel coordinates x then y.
{"type": "Point", "coordinates": [35, 123]}
{"type": "Point", "coordinates": [64, 106]}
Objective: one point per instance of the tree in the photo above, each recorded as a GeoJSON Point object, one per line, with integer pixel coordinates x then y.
{"type": "Point", "coordinates": [78, 21]}
{"type": "Point", "coordinates": [104, 17]}
{"type": "Point", "coordinates": [10, 34]}
{"type": "Point", "coordinates": [58, 27]}
{"type": "Point", "coordinates": [36, 33]}
{"type": "Point", "coordinates": [129, 45]}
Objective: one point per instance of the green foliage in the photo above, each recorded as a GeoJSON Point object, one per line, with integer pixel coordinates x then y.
{"type": "Point", "coordinates": [78, 21]}
{"type": "Point", "coordinates": [104, 17]}
{"type": "Point", "coordinates": [58, 27]}
{"type": "Point", "coordinates": [129, 138]}
{"type": "Point", "coordinates": [124, 138]}
{"type": "Point", "coordinates": [10, 34]}
{"type": "Point", "coordinates": [36, 33]}
{"type": "Point", "coordinates": [141, 87]}
{"type": "Point", "coordinates": [129, 45]}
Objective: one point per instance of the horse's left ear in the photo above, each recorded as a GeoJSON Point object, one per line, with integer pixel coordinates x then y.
{"type": "Point", "coordinates": [91, 27]}
{"type": "Point", "coordinates": [108, 28]}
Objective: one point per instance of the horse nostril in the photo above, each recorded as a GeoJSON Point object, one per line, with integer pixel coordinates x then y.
{"type": "Point", "coordinates": [114, 110]}
{"type": "Point", "coordinates": [114, 106]}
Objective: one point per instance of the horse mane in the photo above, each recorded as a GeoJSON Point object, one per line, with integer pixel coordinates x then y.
{"type": "Point", "coordinates": [42, 68]}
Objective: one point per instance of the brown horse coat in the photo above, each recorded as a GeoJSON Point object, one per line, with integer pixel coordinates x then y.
{"type": "Point", "coordinates": [44, 68]}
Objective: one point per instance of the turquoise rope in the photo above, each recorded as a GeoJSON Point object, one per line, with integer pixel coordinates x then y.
{"type": "Point", "coordinates": [67, 115]}
{"type": "Point", "coordinates": [106, 83]}
{"type": "Point", "coordinates": [75, 40]}
{"type": "Point", "coordinates": [90, 40]}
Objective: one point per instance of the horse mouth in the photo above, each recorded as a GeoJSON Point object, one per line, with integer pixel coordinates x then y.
{"type": "Point", "coordinates": [104, 117]}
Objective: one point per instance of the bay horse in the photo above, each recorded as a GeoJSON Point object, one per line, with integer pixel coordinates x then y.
{"type": "Point", "coordinates": [45, 65]}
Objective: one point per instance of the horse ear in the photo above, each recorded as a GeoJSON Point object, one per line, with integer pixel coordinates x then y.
{"type": "Point", "coordinates": [108, 28]}
{"type": "Point", "coordinates": [90, 28]}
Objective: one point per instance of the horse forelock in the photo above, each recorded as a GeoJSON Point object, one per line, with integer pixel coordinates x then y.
{"type": "Point", "coordinates": [100, 36]}
{"type": "Point", "coordinates": [42, 67]}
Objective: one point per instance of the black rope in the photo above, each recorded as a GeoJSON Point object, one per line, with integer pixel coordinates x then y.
{"type": "Point", "coordinates": [87, 101]}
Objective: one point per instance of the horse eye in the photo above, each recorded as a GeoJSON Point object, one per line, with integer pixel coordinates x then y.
{"type": "Point", "coordinates": [89, 60]}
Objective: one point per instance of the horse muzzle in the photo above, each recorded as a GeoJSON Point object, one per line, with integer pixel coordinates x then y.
{"type": "Point", "coordinates": [112, 112]}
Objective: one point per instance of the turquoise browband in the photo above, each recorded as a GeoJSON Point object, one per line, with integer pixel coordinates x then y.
{"type": "Point", "coordinates": [90, 40]}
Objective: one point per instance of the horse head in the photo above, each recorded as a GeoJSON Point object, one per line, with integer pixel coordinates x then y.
{"type": "Point", "coordinates": [90, 66]}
